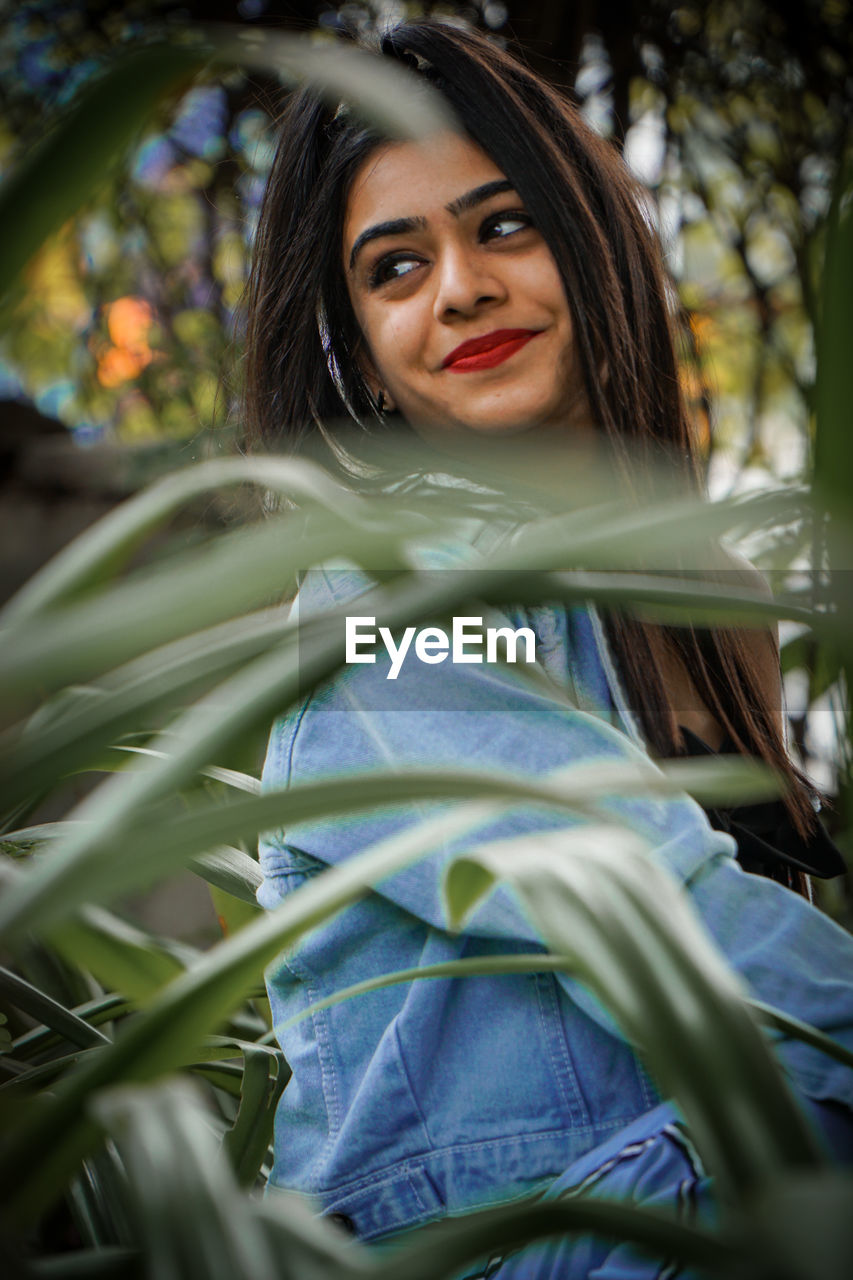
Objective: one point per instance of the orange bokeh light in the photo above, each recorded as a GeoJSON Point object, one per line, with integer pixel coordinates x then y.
{"type": "Point", "coordinates": [129, 322]}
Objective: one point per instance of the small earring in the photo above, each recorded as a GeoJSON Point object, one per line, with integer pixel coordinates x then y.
{"type": "Point", "coordinates": [380, 404]}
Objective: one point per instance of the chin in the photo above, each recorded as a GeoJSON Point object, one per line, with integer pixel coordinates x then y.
{"type": "Point", "coordinates": [502, 431]}
{"type": "Point", "coordinates": [493, 421]}
{"type": "Point", "coordinates": [505, 424]}
{"type": "Point", "coordinates": [493, 417]}
{"type": "Point", "coordinates": [476, 429]}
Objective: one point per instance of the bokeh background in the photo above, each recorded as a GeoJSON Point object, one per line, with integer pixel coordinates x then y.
{"type": "Point", "coordinates": [733, 113]}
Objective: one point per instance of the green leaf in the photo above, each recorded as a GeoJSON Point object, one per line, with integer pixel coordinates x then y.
{"type": "Point", "coordinates": [119, 954]}
{"type": "Point", "coordinates": [60, 739]}
{"type": "Point", "coordinates": [796, 1029]}
{"type": "Point", "coordinates": [107, 1263]}
{"type": "Point", "coordinates": [229, 777]}
{"type": "Point", "coordinates": [83, 867]}
{"type": "Point", "coordinates": [542, 962]}
{"type": "Point", "coordinates": [180, 1185]}
{"type": "Point", "coordinates": [247, 1141]}
{"type": "Point", "coordinates": [112, 949]}
{"type": "Point", "coordinates": [313, 1249]}
{"type": "Point", "coordinates": [23, 995]}
{"type": "Point", "coordinates": [232, 913]}
{"type": "Point", "coordinates": [230, 869]}
{"type": "Point", "coordinates": [674, 534]}
{"type": "Point", "coordinates": [239, 570]}
{"type": "Point", "coordinates": [101, 550]}
{"type": "Point", "coordinates": [450, 1246]}
{"type": "Point", "coordinates": [98, 1202]}
{"type": "Point", "coordinates": [96, 1011]}
{"type": "Point", "coordinates": [386, 95]}
{"type": "Point", "coordinates": [44, 1072]}
{"type": "Point", "coordinates": [48, 1140]}
{"type": "Point", "coordinates": [594, 894]}
{"type": "Point", "coordinates": [30, 759]}
{"type": "Point", "coordinates": [471, 967]}
{"type": "Point", "coordinates": [807, 1225]}
{"type": "Point", "coordinates": [225, 1076]}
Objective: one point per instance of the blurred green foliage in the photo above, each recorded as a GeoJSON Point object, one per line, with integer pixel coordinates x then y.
{"type": "Point", "coordinates": [138, 1082]}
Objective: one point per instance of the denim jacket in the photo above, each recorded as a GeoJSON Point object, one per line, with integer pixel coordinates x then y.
{"type": "Point", "coordinates": [434, 1097]}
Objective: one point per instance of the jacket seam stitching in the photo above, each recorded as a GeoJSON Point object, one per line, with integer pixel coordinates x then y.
{"type": "Point", "coordinates": [328, 1084]}
{"type": "Point", "coordinates": [559, 1054]}
{"type": "Point", "coordinates": [292, 744]}
{"type": "Point", "coordinates": [396, 1172]}
{"type": "Point", "coordinates": [412, 1094]}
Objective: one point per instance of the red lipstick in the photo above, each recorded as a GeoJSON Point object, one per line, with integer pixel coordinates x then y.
{"type": "Point", "coordinates": [490, 350]}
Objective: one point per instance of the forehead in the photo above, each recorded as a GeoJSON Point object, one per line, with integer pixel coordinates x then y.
{"type": "Point", "coordinates": [414, 180]}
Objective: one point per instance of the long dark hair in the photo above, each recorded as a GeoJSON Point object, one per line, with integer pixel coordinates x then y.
{"type": "Point", "coordinates": [303, 342]}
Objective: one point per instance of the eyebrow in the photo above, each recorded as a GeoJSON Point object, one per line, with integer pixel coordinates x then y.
{"type": "Point", "coordinates": [400, 226]}
{"type": "Point", "coordinates": [479, 196]}
{"type": "Point", "coordinates": [397, 227]}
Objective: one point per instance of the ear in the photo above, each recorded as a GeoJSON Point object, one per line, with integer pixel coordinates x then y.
{"type": "Point", "coordinates": [386, 399]}
{"type": "Point", "coordinates": [373, 381]}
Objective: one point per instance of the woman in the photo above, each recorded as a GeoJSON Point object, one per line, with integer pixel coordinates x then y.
{"type": "Point", "coordinates": [499, 285]}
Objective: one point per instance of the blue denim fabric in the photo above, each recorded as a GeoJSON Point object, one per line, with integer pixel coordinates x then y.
{"type": "Point", "coordinates": [651, 1163]}
{"type": "Point", "coordinates": [436, 1097]}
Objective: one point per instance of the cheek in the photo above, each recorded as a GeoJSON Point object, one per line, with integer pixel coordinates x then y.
{"type": "Point", "coordinates": [395, 343]}
{"type": "Point", "coordinates": [546, 281]}
{"type": "Point", "coordinates": [535, 278]}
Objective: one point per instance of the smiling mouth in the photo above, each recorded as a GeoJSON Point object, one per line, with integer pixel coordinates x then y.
{"type": "Point", "coordinates": [490, 350]}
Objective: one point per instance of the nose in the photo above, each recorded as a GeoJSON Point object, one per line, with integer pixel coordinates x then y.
{"type": "Point", "coordinates": [467, 282]}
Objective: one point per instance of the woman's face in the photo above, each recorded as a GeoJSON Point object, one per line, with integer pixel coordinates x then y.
{"type": "Point", "coordinates": [457, 295]}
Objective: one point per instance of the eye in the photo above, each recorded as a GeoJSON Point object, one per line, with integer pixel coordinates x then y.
{"type": "Point", "coordinates": [392, 267]}
{"type": "Point", "coordinates": [498, 226]}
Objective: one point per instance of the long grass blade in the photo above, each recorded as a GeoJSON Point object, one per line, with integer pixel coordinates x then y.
{"type": "Point", "coordinates": [114, 951]}
{"type": "Point", "coordinates": [179, 1184]}
{"type": "Point", "coordinates": [84, 868]}
{"type": "Point", "coordinates": [100, 551]}
{"type": "Point", "coordinates": [23, 995]}
{"type": "Point", "coordinates": [117, 953]}
{"type": "Point", "coordinates": [247, 1141]}
{"type": "Point", "coordinates": [453, 1245]}
{"type": "Point", "coordinates": [595, 894]}
{"type": "Point", "coordinates": [76, 733]}
{"type": "Point", "coordinates": [49, 1139]}
{"type": "Point", "coordinates": [101, 1009]}
{"type": "Point", "coordinates": [389, 97]}
{"type": "Point", "coordinates": [229, 869]}
{"type": "Point", "coordinates": [111, 1262]}
{"type": "Point", "coordinates": [542, 962]}
{"type": "Point", "coordinates": [241, 569]}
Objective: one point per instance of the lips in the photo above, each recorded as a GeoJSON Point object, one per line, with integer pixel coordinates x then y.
{"type": "Point", "coordinates": [490, 350]}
